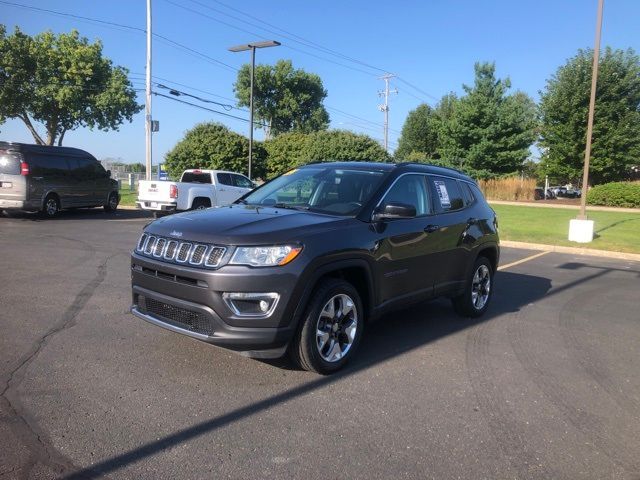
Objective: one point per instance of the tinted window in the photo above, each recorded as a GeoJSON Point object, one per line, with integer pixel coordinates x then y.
{"type": "Point", "coordinates": [197, 177]}
{"type": "Point", "coordinates": [47, 165]}
{"type": "Point", "coordinates": [467, 193]}
{"type": "Point", "coordinates": [224, 179]}
{"type": "Point", "coordinates": [9, 163]}
{"type": "Point", "coordinates": [410, 190]}
{"type": "Point", "coordinates": [242, 181]}
{"type": "Point", "coordinates": [448, 193]}
{"type": "Point", "coordinates": [87, 168]}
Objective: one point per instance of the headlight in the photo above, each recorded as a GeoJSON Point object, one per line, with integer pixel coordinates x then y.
{"type": "Point", "coordinates": [265, 256]}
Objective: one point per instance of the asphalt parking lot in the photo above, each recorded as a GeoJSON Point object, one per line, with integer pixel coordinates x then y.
{"type": "Point", "coordinates": [546, 385]}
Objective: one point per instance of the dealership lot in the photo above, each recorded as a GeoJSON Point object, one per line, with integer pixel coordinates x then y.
{"type": "Point", "coordinates": [546, 385]}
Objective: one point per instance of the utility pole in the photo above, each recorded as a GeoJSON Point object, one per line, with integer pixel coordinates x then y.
{"type": "Point", "coordinates": [581, 228]}
{"type": "Point", "coordinates": [385, 106]}
{"type": "Point", "coordinates": [147, 118]}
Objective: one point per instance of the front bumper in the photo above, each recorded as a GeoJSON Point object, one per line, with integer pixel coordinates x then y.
{"type": "Point", "coordinates": [189, 301]}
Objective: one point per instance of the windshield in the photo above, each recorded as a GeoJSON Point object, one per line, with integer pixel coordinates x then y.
{"type": "Point", "coordinates": [323, 189]}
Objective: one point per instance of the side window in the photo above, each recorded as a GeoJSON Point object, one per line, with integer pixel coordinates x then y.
{"type": "Point", "coordinates": [224, 179]}
{"type": "Point", "coordinates": [242, 181]}
{"type": "Point", "coordinates": [98, 169]}
{"type": "Point", "coordinates": [47, 166]}
{"type": "Point", "coordinates": [448, 193]}
{"type": "Point", "coordinates": [85, 169]}
{"type": "Point", "coordinates": [410, 190]}
{"type": "Point", "coordinates": [467, 193]}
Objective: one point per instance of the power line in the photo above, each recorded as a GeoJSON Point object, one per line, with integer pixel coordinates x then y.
{"type": "Point", "coordinates": [417, 89]}
{"type": "Point", "coordinates": [162, 38]}
{"type": "Point", "coordinates": [290, 36]}
{"type": "Point", "coordinates": [249, 32]}
{"type": "Point", "coordinates": [207, 109]}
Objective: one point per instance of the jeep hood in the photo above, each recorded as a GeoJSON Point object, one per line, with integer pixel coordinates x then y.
{"type": "Point", "coordinates": [245, 225]}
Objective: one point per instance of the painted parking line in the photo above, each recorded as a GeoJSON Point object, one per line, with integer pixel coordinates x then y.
{"type": "Point", "coordinates": [523, 260]}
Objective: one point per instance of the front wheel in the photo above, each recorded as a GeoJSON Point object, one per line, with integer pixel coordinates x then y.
{"type": "Point", "coordinates": [331, 329]}
{"type": "Point", "coordinates": [112, 203]}
{"type": "Point", "coordinates": [478, 290]}
{"type": "Point", "coordinates": [51, 206]}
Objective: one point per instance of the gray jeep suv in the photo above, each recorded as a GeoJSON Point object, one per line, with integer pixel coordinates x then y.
{"type": "Point", "coordinates": [302, 262]}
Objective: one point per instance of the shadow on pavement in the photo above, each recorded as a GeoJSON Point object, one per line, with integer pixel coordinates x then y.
{"type": "Point", "coordinates": [390, 337]}
{"type": "Point", "coordinates": [79, 214]}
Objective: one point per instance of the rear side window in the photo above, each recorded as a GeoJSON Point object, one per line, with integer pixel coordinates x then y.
{"type": "Point", "coordinates": [448, 193]}
{"type": "Point", "coordinates": [196, 177]}
{"type": "Point", "coordinates": [9, 163]}
{"type": "Point", "coordinates": [225, 179]}
{"type": "Point", "coordinates": [241, 181]}
{"type": "Point", "coordinates": [467, 193]}
{"type": "Point", "coordinates": [47, 165]}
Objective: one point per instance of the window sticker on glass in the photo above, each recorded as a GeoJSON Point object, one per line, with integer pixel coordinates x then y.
{"type": "Point", "coordinates": [443, 194]}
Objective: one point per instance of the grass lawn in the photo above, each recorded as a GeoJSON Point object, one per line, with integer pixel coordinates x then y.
{"type": "Point", "coordinates": [128, 197]}
{"type": "Point", "coordinates": [615, 231]}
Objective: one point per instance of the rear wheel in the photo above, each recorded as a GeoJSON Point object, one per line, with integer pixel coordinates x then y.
{"type": "Point", "coordinates": [478, 290]}
{"type": "Point", "coordinates": [200, 204]}
{"type": "Point", "coordinates": [331, 329]}
{"type": "Point", "coordinates": [112, 203]}
{"type": "Point", "coordinates": [51, 206]}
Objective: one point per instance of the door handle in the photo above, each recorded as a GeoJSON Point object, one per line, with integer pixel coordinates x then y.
{"type": "Point", "coordinates": [431, 228]}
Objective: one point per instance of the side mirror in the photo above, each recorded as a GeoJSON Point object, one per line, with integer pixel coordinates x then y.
{"type": "Point", "coordinates": [394, 210]}
{"type": "Point", "coordinates": [108, 173]}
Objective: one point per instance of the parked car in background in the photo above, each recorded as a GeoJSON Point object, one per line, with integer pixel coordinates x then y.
{"type": "Point", "coordinates": [49, 179]}
{"type": "Point", "coordinates": [197, 189]}
{"type": "Point", "coordinates": [302, 262]}
{"type": "Point", "coordinates": [538, 194]}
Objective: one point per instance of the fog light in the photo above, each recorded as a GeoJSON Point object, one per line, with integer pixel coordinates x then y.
{"type": "Point", "coordinates": [250, 304]}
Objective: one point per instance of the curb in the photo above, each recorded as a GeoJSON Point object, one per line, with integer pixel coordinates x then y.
{"type": "Point", "coordinates": [565, 206]}
{"type": "Point", "coordinates": [592, 252]}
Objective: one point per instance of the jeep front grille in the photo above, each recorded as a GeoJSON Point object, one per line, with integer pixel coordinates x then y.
{"type": "Point", "coordinates": [186, 253]}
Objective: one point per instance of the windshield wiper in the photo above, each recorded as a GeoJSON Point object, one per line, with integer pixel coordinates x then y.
{"type": "Point", "coordinates": [288, 206]}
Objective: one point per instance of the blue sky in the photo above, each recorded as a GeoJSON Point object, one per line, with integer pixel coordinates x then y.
{"type": "Point", "coordinates": [430, 44]}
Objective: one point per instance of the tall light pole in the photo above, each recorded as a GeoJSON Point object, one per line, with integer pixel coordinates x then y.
{"type": "Point", "coordinates": [581, 229]}
{"type": "Point", "coordinates": [147, 117]}
{"type": "Point", "coordinates": [241, 48]}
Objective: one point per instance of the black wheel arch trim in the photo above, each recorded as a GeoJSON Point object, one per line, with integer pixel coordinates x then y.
{"type": "Point", "coordinates": [322, 268]}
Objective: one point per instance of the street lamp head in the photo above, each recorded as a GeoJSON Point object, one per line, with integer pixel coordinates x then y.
{"type": "Point", "coordinates": [249, 46]}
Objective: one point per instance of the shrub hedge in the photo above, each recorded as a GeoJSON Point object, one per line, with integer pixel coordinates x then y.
{"type": "Point", "coordinates": [615, 194]}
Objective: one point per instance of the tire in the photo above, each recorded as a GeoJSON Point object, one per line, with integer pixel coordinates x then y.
{"type": "Point", "coordinates": [478, 290]}
{"type": "Point", "coordinates": [329, 351]}
{"type": "Point", "coordinates": [51, 206]}
{"type": "Point", "coordinates": [112, 203]}
{"type": "Point", "coordinates": [199, 204]}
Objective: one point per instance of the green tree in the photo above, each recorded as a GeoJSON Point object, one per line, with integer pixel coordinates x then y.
{"type": "Point", "coordinates": [488, 131]}
{"type": "Point", "coordinates": [285, 99]}
{"type": "Point", "coordinates": [63, 82]}
{"type": "Point", "coordinates": [419, 133]}
{"type": "Point", "coordinates": [214, 146]}
{"type": "Point", "coordinates": [290, 150]}
{"type": "Point", "coordinates": [564, 110]}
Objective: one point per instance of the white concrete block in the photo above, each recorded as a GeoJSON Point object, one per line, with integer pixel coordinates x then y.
{"type": "Point", "coordinates": [580, 231]}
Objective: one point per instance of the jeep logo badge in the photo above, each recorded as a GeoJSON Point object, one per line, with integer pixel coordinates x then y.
{"type": "Point", "coordinates": [176, 234]}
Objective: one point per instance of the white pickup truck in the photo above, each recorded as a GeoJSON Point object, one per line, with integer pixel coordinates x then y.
{"type": "Point", "coordinates": [196, 189]}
